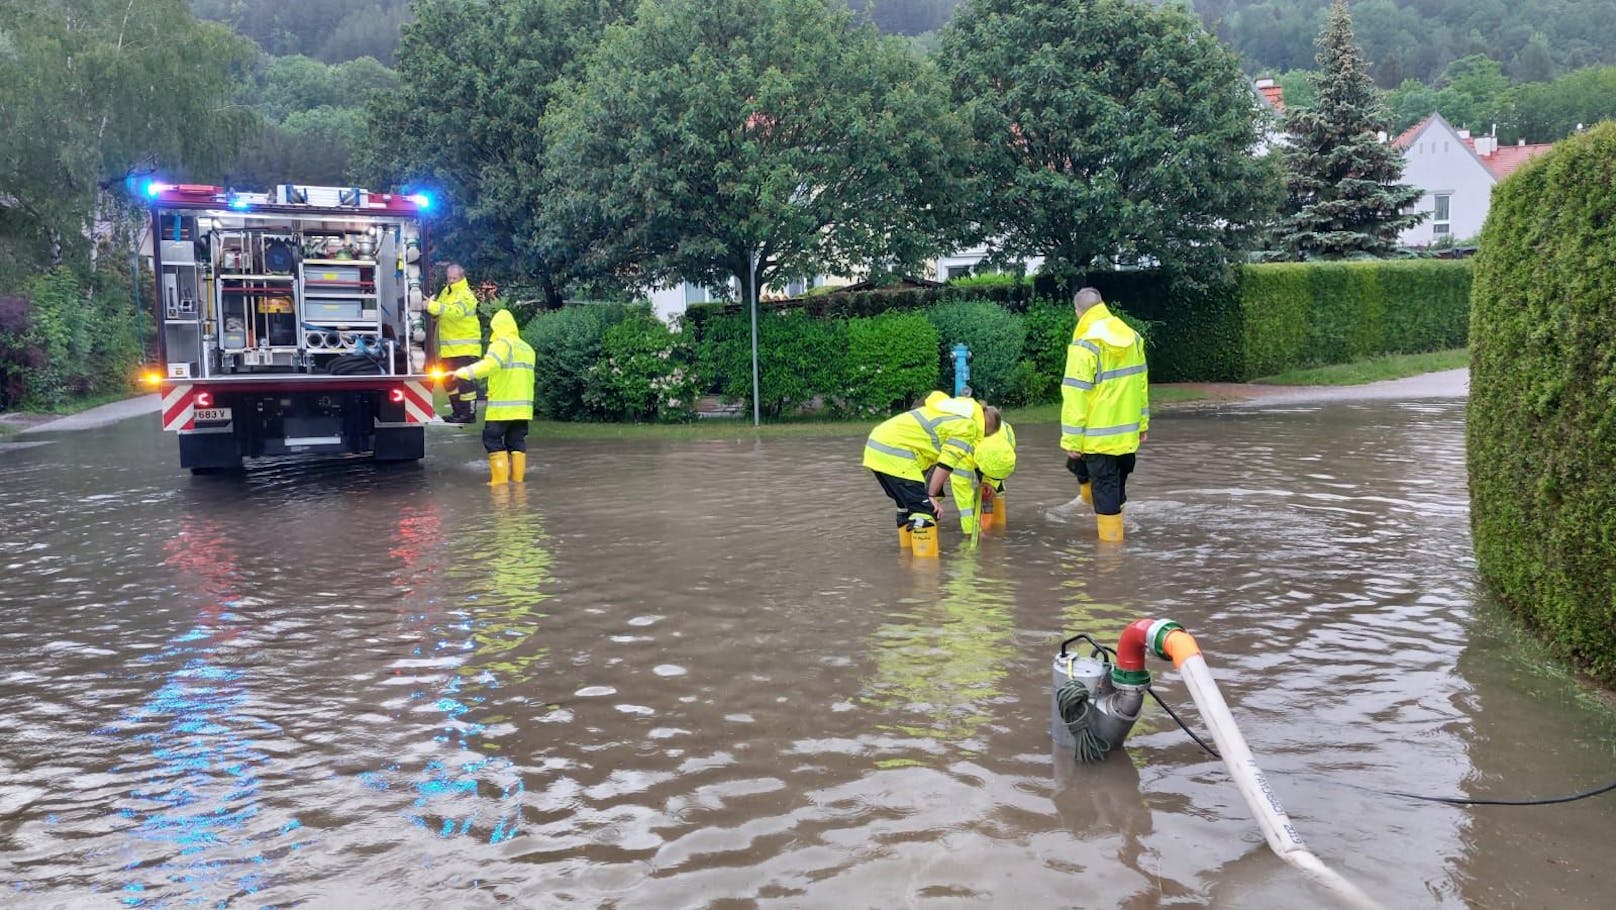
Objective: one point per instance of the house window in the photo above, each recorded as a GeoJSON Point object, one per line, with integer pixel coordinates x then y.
{"type": "Point", "coordinates": [1440, 222]}
{"type": "Point", "coordinates": [695, 293]}
{"type": "Point", "coordinates": [958, 271]}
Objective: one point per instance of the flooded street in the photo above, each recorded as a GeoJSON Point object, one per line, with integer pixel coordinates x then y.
{"type": "Point", "coordinates": [690, 674]}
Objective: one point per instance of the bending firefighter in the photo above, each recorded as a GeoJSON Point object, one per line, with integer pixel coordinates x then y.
{"type": "Point", "coordinates": [978, 482]}
{"type": "Point", "coordinates": [1105, 408]}
{"type": "Point", "coordinates": [509, 369]}
{"type": "Point", "coordinates": [937, 437]}
{"type": "Point", "coordinates": [460, 340]}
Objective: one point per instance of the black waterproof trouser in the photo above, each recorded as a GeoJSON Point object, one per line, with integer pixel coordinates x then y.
{"type": "Point", "coordinates": [1107, 477]}
{"type": "Point", "coordinates": [505, 435]}
{"type": "Point", "coordinates": [910, 495]}
{"type": "Point", "coordinates": [465, 390]}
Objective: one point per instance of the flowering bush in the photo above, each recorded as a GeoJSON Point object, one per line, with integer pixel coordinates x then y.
{"type": "Point", "coordinates": [644, 373]}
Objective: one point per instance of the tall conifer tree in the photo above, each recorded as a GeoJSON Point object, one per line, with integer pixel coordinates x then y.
{"type": "Point", "coordinates": [1341, 176]}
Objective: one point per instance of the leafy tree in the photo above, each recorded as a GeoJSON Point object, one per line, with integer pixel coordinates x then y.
{"type": "Point", "coordinates": [1341, 177]}
{"type": "Point", "coordinates": [1472, 87]}
{"type": "Point", "coordinates": [1109, 132]}
{"type": "Point", "coordinates": [1298, 89]}
{"type": "Point", "coordinates": [708, 133]}
{"type": "Point", "coordinates": [90, 89]}
{"type": "Point", "coordinates": [1409, 103]}
{"type": "Point", "coordinates": [1534, 63]}
{"type": "Point", "coordinates": [475, 83]}
{"type": "Point", "coordinates": [1544, 112]}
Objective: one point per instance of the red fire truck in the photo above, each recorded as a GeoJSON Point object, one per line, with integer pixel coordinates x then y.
{"type": "Point", "coordinates": [290, 322]}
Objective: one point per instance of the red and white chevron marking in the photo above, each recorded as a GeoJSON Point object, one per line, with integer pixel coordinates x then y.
{"type": "Point", "coordinates": [179, 408]}
{"type": "Point", "coordinates": [417, 402]}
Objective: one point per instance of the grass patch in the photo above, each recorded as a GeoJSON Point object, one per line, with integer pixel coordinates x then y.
{"type": "Point", "coordinates": [1374, 369]}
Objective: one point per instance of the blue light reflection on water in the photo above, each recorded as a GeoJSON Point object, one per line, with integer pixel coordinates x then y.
{"type": "Point", "coordinates": [192, 820]}
{"type": "Point", "coordinates": [454, 791]}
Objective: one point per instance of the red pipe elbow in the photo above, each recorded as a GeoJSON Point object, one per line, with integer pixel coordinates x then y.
{"type": "Point", "coordinates": [1131, 646]}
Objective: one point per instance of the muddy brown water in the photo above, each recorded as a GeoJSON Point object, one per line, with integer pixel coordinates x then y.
{"type": "Point", "coordinates": [692, 674]}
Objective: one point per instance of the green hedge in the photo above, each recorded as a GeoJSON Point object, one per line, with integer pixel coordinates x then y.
{"type": "Point", "coordinates": [1542, 420]}
{"type": "Point", "coordinates": [867, 352]}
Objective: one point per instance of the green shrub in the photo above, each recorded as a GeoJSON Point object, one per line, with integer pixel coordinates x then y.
{"type": "Point", "coordinates": [799, 358]}
{"type": "Point", "coordinates": [891, 361]}
{"type": "Point", "coordinates": [987, 280]}
{"type": "Point", "coordinates": [644, 373]}
{"type": "Point", "coordinates": [63, 328]}
{"type": "Point", "coordinates": [994, 335]}
{"type": "Point", "coordinates": [1541, 430]}
{"type": "Point", "coordinates": [566, 344]}
{"type": "Point", "coordinates": [1049, 325]}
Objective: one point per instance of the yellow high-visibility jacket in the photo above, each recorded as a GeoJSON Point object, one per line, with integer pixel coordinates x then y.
{"type": "Point", "coordinates": [942, 431]}
{"type": "Point", "coordinates": [1105, 396]}
{"type": "Point", "coordinates": [966, 485]}
{"type": "Point", "coordinates": [509, 364]}
{"type": "Point", "coordinates": [459, 332]}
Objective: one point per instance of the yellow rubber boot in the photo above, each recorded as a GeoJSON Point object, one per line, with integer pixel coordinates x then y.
{"type": "Point", "coordinates": [904, 542]}
{"type": "Point", "coordinates": [1086, 493]}
{"type": "Point", "coordinates": [1110, 527]}
{"type": "Point", "coordinates": [518, 467]}
{"type": "Point", "coordinates": [999, 512]}
{"type": "Point", "coordinates": [924, 538]}
{"type": "Point", "coordinates": [499, 468]}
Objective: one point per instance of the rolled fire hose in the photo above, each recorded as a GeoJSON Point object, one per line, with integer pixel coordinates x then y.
{"type": "Point", "coordinates": [1169, 641]}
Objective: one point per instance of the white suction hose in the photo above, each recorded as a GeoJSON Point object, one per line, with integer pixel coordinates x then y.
{"type": "Point", "coordinates": [1168, 640]}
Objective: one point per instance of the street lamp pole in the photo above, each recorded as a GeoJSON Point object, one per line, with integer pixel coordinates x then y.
{"type": "Point", "coordinates": [751, 278]}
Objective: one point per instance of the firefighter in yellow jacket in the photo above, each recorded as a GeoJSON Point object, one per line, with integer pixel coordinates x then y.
{"type": "Point", "coordinates": [509, 369]}
{"type": "Point", "coordinates": [978, 483]}
{"type": "Point", "coordinates": [460, 340]}
{"type": "Point", "coordinates": [913, 453]}
{"type": "Point", "coordinates": [1105, 408]}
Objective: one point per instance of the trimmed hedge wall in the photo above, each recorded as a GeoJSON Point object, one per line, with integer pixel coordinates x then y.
{"type": "Point", "coordinates": [864, 353]}
{"type": "Point", "coordinates": [1542, 420]}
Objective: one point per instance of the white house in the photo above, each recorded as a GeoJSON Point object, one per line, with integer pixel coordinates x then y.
{"type": "Point", "coordinates": [1457, 172]}
{"type": "Point", "coordinates": [668, 302]}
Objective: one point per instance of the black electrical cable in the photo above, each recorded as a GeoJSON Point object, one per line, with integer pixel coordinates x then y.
{"type": "Point", "coordinates": [1460, 801]}
{"type": "Point", "coordinates": [1448, 800]}
{"type": "Point", "coordinates": [1182, 726]}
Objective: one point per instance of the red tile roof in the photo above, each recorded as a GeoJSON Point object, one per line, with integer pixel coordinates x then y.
{"type": "Point", "coordinates": [1273, 93]}
{"type": "Point", "coordinates": [1407, 136]}
{"type": "Point", "coordinates": [1508, 158]}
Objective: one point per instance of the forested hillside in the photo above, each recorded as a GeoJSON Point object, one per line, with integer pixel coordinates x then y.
{"type": "Point", "coordinates": [322, 29]}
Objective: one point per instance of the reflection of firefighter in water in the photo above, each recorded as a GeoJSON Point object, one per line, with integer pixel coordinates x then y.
{"type": "Point", "coordinates": [505, 585]}
{"type": "Point", "coordinates": [508, 616]}
{"type": "Point", "coordinates": [939, 673]}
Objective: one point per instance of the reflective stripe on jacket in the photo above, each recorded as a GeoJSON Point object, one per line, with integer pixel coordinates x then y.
{"type": "Point", "coordinates": [509, 368]}
{"type": "Point", "coordinates": [942, 431]}
{"type": "Point", "coordinates": [459, 332]}
{"type": "Point", "coordinates": [1105, 395]}
{"type": "Point", "coordinates": [966, 484]}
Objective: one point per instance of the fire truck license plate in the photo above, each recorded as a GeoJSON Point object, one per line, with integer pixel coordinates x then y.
{"type": "Point", "coordinates": [212, 413]}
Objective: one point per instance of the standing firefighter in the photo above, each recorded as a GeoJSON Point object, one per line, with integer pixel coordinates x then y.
{"type": "Point", "coordinates": [460, 340]}
{"type": "Point", "coordinates": [1105, 408]}
{"type": "Point", "coordinates": [937, 437]}
{"type": "Point", "coordinates": [509, 368]}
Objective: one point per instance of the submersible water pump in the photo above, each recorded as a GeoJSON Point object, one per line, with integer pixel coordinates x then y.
{"type": "Point", "coordinates": [1097, 699]}
{"type": "Point", "coordinates": [1095, 702]}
